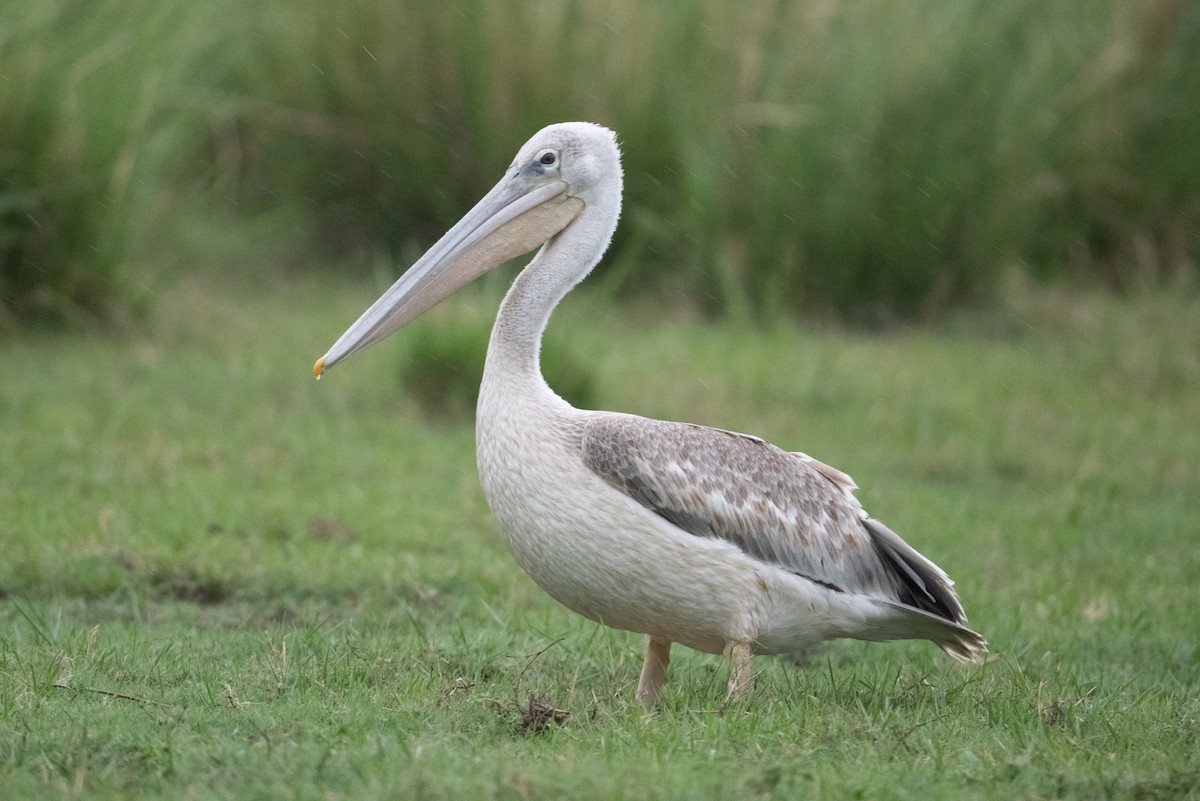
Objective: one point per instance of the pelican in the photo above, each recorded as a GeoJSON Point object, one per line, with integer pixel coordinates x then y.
{"type": "Point", "coordinates": [719, 541]}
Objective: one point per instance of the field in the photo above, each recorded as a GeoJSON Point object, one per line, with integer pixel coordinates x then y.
{"type": "Point", "coordinates": [950, 248]}
{"type": "Point", "coordinates": [223, 579]}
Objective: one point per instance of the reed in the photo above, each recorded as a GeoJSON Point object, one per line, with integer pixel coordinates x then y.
{"type": "Point", "coordinates": [90, 128]}
{"type": "Point", "coordinates": [875, 160]}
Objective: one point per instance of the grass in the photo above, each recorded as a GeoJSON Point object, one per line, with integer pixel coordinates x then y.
{"type": "Point", "coordinates": [93, 129]}
{"type": "Point", "coordinates": [222, 579]}
{"type": "Point", "coordinates": [880, 162]}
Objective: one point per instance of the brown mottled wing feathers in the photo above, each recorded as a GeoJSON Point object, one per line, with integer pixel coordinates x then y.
{"type": "Point", "coordinates": [782, 508]}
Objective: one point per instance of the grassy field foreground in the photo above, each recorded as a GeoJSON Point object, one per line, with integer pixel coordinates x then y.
{"type": "Point", "coordinates": [222, 579]}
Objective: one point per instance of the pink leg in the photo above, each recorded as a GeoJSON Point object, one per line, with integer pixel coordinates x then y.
{"type": "Point", "coordinates": [654, 670]}
{"type": "Point", "coordinates": [741, 680]}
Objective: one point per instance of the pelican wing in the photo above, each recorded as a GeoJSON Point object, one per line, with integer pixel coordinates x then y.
{"type": "Point", "coordinates": [786, 509]}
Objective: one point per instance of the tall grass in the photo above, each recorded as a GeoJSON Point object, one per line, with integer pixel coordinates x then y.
{"type": "Point", "coordinates": [880, 159]}
{"type": "Point", "coordinates": [87, 128]}
{"type": "Point", "coordinates": [876, 159]}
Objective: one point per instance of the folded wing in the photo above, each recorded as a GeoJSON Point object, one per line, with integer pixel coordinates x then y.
{"type": "Point", "coordinates": [785, 509]}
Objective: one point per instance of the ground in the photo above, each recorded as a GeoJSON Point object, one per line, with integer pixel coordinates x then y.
{"type": "Point", "coordinates": [223, 579]}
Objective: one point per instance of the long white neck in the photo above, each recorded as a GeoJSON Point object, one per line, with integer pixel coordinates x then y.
{"type": "Point", "coordinates": [512, 361]}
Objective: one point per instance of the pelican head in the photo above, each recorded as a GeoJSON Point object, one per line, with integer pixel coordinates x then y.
{"type": "Point", "coordinates": [546, 188]}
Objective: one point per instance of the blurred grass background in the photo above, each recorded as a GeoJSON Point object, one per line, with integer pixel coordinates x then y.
{"type": "Point", "coordinates": [880, 161]}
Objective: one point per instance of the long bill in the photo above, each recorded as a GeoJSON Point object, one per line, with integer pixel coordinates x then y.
{"type": "Point", "coordinates": [518, 215]}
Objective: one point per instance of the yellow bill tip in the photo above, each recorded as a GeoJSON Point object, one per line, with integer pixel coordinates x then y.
{"type": "Point", "coordinates": [319, 368]}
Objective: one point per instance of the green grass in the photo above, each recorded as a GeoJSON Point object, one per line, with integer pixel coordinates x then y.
{"type": "Point", "coordinates": [223, 579]}
{"type": "Point", "coordinates": [880, 161]}
{"type": "Point", "coordinates": [94, 125]}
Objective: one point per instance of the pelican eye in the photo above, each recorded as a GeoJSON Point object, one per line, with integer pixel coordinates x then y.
{"type": "Point", "coordinates": [548, 158]}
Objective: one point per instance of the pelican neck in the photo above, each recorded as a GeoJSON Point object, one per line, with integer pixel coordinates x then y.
{"type": "Point", "coordinates": [564, 261]}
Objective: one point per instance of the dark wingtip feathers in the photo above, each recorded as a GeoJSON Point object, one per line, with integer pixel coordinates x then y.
{"type": "Point", "coordinates": [927, 590]}
{"type": "Point", "coordinates": [925, 585]}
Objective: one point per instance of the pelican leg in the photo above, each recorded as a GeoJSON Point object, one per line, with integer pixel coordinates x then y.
{"type": "Point", "coordinates": [654, 669]}
{"type": "Point", "coordinates": [741, 680]}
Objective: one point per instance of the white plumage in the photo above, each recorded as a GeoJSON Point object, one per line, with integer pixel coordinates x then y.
{"type": "Point", "coordinates": [716, 540]}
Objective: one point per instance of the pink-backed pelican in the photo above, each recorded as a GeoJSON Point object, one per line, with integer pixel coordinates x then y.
{"type": "Point", "coordinates": [719, 541]}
